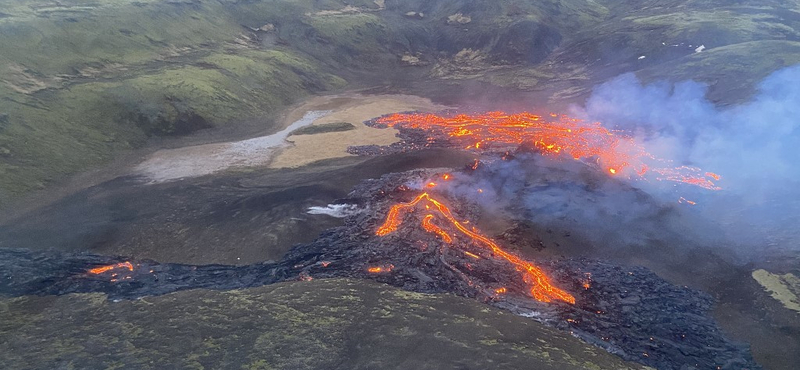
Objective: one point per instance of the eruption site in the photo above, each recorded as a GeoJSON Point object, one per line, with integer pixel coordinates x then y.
{"type": "Point", "coordinates": [627, 310]}
{"type": "Point", "coordinates": [540, 287]}
{"type": "Point", "coordinates": [555, 135]}
{"type": "Point", "coordinates": [414, 230]}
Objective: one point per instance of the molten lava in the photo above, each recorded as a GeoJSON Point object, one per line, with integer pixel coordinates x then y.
{"type": "Point", "coordinates": [380, 269]}
{"type": "Point", "coordinates": [540, 286]}
{"type": "Point", "coordinates": [102, 269]}
{"type": "Point", "coordinates": [615, 152]}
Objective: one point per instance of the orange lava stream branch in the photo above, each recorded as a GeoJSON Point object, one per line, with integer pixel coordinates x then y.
{"type": "Point", "coordinates": [431, 228]}
{"type": "Point", "coordinates": [102, 269]}
{"type": "Point", "coordinates": [615, 153]}
{"type": "Point", "coordinates": [380, 269]}
{"type": "Point", "coordinates": [541, 288]}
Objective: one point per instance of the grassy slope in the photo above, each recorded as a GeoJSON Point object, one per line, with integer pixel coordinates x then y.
{"type": "Point", "coordinates": [743, 41]}
{"type": "Point", "coordinates": [82, 81]}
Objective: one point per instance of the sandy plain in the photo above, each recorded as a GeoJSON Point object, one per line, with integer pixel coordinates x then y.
{"type": "Point", "coordinates": [284, 150]}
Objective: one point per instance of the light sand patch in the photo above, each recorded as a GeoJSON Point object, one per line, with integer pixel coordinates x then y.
{"type": "Point", "coordinates": [276, 151]}
{"type": "Point", "coordinates": [354, 109]}
{"type": "Point", "coordinates": [200, 160]}
{"type": "Point", "coordinates": [783, 288]}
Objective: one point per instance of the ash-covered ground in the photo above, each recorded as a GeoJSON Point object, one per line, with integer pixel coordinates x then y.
{"type": "Point", "coordinates": [629, 311]}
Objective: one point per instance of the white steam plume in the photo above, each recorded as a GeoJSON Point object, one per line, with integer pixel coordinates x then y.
{"type": "Point", "coordinates": [754, 146]}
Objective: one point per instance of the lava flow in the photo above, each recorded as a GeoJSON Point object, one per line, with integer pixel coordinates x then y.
{"type": "Point", "coordinates": [540, 287]}
{"type": "Point", "coordinates": [615, 152]}
{"type": "Point", "coordinates": [102, 269]}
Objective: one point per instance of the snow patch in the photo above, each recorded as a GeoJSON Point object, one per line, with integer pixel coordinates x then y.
{"type": "Point", "coordinates": [199, 160]}
{"type": "Point", "coordinates": [335, 210]}
{"type": "Point", "coordinates": [531, 314]}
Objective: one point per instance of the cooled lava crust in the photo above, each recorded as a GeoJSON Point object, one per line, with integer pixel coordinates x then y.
{"type": "Point", "coordinates": [629, 311]}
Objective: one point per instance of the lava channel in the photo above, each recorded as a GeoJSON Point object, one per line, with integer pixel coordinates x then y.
{"type": "Point", "coordinates": [102, 269]}
{"type": "Point", "coordinates": [540, 287]}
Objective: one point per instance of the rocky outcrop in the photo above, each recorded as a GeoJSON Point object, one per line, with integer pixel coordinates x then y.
{"type": "Point", "coordinates": [458, 18]}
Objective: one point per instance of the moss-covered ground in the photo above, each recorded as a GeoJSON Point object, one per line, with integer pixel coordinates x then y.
{"type": "Point", "coordinates": [82, 81]}
{"type": "Point", "coordinates": [323, 128]}
{"type": "Point", "coordinates": [321, 324]}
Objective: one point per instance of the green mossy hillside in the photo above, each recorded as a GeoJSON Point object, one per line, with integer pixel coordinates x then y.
{"type": "Point", "coordinates": [55, 132]}
{"type": "Point", "coordinates": [82, 81]}
{"type": "Point", "coordinates": [323, 128]}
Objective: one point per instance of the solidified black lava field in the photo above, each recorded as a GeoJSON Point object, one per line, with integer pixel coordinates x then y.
{"type": "Point", "coordinates": [629, 311]}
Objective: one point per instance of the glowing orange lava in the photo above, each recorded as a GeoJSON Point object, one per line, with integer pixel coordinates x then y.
{"type": "Point", "coordinates": [102, 269]}
{"type": "Point", "coordinates": [540, 287]}
{"type": "Point", "coordinates": [558, 135]}
{"type": "Point", "coordinates": [689, 175]}
{"type": "Point", "coordinates": [431, 228]}
{"type": "Point", "coordinates": [380, 269]}
{"type": "Point", "coordinates": [473, 255]}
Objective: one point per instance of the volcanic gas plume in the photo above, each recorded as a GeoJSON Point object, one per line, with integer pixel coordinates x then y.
{"type": "Point", "coordinates": [754, 144]}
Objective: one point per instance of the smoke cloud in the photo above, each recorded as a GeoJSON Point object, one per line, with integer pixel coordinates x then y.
{"type": "Point", "coordinates": [754, 146]}
{"type": "Point", "coordinates": [569, 198]}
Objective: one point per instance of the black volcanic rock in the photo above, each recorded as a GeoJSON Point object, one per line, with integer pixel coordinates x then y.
{"type": "Point", "coordinates": [627, 310]}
